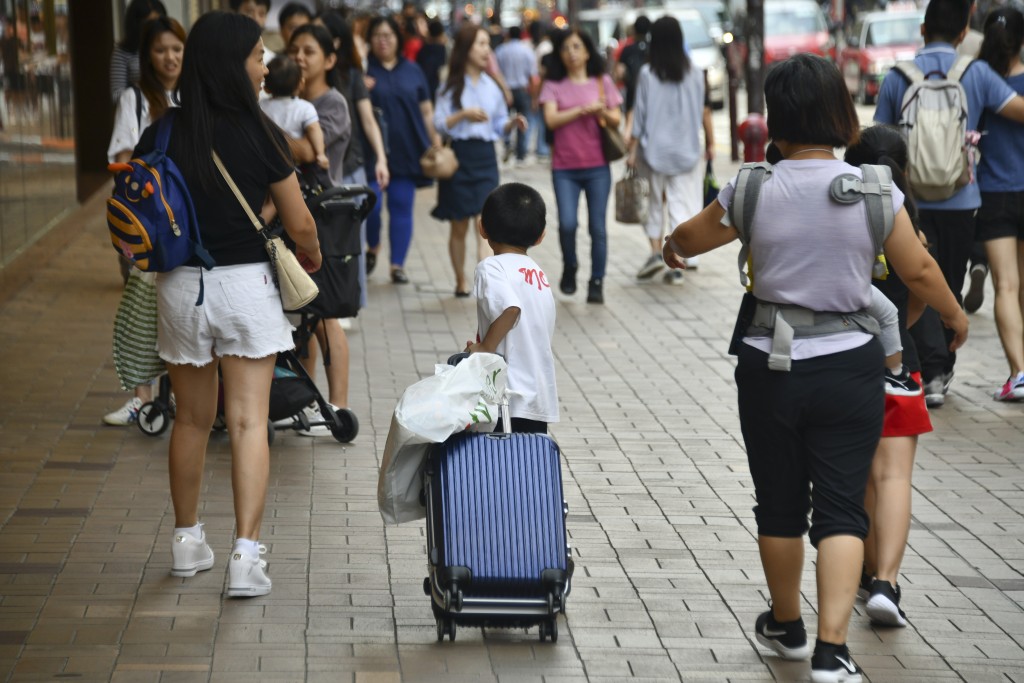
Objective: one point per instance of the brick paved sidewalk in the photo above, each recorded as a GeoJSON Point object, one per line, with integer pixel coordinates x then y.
{"type": "Point", "coordinates": [668, 581]}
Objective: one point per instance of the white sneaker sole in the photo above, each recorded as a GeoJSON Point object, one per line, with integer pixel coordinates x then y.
{"type": "Point", "coordinates": [835, 677]}
{"type": "Point", "coordinates": [248, 591]}
{"type": "Point", "coordinates": [192, 569]}
{"type": "Point", "coordinates": [790, 653]}
{"type": "Point", "coordinates": [882, 611]}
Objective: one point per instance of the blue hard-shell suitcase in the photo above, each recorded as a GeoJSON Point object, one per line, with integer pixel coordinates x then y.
{"type": "Point", "coordinates": [497, 549]}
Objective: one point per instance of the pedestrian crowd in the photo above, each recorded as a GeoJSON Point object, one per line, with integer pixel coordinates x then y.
{"type": "Point", "coordinates": [872, 305]}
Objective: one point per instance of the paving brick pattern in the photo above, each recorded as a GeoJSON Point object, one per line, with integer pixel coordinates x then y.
{"type": "Point", "coordinates": [667, 580]}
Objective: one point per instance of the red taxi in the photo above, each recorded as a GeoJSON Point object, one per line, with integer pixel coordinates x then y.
{"type": "Point", "coordinates": [878, 40]}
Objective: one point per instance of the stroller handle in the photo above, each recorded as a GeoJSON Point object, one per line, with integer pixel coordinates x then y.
{"type": "Point", "coordinates": [343, 195]}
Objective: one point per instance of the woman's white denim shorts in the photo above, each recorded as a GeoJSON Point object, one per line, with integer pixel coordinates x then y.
{"type": "Point", "coordinates": [240, 315]}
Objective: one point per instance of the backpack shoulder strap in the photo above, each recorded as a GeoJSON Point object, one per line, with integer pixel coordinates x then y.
{"type": "Point", "coordinates": [910, 71]}
{"type": "Point", "coordinates": [743, 206]}
{"type": "Point", "coordinates": [959, 68]}
{"type": "Point", "coordinates": [163, 130]}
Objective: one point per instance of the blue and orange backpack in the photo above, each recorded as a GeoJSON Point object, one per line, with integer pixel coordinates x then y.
{"type": "Point", "coordinates": [150, 214]}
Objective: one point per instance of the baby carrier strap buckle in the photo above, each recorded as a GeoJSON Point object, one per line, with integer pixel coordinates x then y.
{"type": "Point", "coordinates": [784, 323]}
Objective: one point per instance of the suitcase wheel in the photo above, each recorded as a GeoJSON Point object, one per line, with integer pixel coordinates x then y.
{"type": "Point", "coordinates": [549, 630]}
{"type": "Point", "coordinates": [452, 601]}
{"type": "Point", "coordinates": [445, 626]}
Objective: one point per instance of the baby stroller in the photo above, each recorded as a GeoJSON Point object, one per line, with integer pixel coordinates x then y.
{"type": "Point", "coordinates": [338, 212]}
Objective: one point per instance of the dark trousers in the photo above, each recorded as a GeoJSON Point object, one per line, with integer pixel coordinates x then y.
{"type": "Point", "coordinates": [811, 435]}
{"type": "Point", "coordinates": [522, 425]}
{"type": "Point", "coordinates": [950, 240]}
{"type": "Point", "coordinates": [520, 105]}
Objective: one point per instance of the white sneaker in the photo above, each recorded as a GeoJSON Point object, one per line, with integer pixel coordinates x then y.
{"type": "Point", "coordinates": [190, 555]}
{"type": "Point", "coordinates": [247, 575]}
{"type": "Point", "coordinates": [314, 415]}
{"type": "Point", "coordinates": [692, 263]}
{"type": "Point", "coordinates": [126, 414]}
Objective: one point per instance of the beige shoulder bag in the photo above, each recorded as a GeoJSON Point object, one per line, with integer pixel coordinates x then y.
{"type": "Point", "coordinates": [296, 286]}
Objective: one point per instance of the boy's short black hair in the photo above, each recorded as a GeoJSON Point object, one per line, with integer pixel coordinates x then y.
{"type": "Point", "coordinates": [291, 9]}
{"type": "Point", "coordinates": [515, 32]}
{"type": "Point", "coordinates": [235, 4]}
{"type": "Point", "coordinates": [945, 20]}
{"type": "Point", "coordinates": [514, 214]}
{"type": "Point", "coordinates": [435, 28]}
{"type": "Point", "coordinates": [283, 76]}
{"type": "Point", "coordinates": [808, 103]}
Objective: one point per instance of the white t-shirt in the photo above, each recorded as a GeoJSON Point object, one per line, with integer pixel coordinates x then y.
{"type": "Point", "coordinates": [127, 124]}
{"type": "Point", "coordinates": [515, 280]}
{"type": "Point", "coordinates": [292, 114]}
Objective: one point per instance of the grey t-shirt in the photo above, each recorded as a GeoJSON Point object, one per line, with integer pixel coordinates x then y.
{"type": "Point", "coordinates": [809, 250]}
{"type": "Point", "coordinates": [337, 126]}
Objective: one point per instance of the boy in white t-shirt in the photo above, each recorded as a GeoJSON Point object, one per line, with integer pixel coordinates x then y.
{"type": "Point", "coordinates": [515, 308]}
{"type": "Point", "coordinates": [296, 117]}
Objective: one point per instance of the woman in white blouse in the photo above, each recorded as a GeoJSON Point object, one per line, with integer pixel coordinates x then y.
{"type": "Point", "coordinates": [471, 110]}
{"type": "Point", "coordinates": [160, 51]}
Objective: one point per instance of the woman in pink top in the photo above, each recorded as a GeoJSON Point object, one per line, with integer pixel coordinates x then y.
{"type": "Point", "coordinates": [578, 98]}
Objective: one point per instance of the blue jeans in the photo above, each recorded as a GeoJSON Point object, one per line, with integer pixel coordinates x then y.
{"type": "Point", "coordinates": [520, 105]}
{"type": "Point", "coordinates": [537, 125]}
{"type": "Point", "coordinates": [401, 194]}
{"type": "Point", "coordinates": [596, 183]}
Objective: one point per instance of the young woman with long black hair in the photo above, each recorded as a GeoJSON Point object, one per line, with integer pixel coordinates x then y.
{"type": "Point", "coordinates": [124, 62]}
{"type": "Point", "coordinates": [670, 108]}
{"type": "Point", "coordinates": [578, 97]}
{"type": "Point", "coordinates": [160, 55]}
{"type": "Point", "coordinates": [471, 110]}
{"type": "Point", "coordinates": [1001, 180]}
{"type": "Point", "coordinates": [239, 326]}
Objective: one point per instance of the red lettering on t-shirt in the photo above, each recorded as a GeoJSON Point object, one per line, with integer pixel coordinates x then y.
{"type": "Point", "coordinates": [532, 274]}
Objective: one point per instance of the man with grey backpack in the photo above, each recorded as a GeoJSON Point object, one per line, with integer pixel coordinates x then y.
{"type": "Point", "coordinates": [937, 101]}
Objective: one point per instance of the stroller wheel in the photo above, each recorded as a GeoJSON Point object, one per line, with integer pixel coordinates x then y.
{"type": "Point", "coordinates": [347, 427]}
{"type": "Point", "coordinates": [271, 432]}
{"type": "Point", "coordinates": [153, 418]}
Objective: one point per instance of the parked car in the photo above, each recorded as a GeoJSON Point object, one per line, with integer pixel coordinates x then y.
{"type": "Point", "coordinates": [877, 41]}
{"type": "Point", "coordinates": [715, 14]}
{"type": "Point", "coordinates": [795, 26]}
{"type": "Point", "coordinates": [607, 27]}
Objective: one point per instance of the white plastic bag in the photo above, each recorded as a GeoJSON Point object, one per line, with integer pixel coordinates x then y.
{"type": "Point", "coordinates": [454, 399]}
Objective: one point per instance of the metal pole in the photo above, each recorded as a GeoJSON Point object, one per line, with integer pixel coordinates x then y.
{"type": "Point", "coordinates": [755, 56]}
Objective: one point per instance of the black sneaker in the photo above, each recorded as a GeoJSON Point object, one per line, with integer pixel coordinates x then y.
{"type": "Point", "coordinates": [568, 281]}
{"type": "Point", "coordinates": [864, 589]}
{"type": "Point", "coordinates": [595, 293]}
{"type": "Point", "coordinates": [884, 604]}
{"type": "Point", "coordinates": [832, 664]}
{"type": "Point", "coordinates": [975, 296]}
{"type": "Point", "coordinates": [902, 384]}
{"type": "Point", "coordinates": [788, 640]}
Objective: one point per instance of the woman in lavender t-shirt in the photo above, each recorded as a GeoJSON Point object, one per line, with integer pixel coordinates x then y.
{"type": "Point", "coordinates": [578, 98]}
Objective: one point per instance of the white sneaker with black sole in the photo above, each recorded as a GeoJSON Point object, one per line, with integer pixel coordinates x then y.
{"type": "Point", "coordinates": [786, 639]}
{"type": "Point", "coordinates": [247, 574]}
{"type": "Point", "coordinates": [832, 664]}
{"type": "Point", "coordinates": [883, 606]}
{"type": "Point", "coordinates": [190, 554]}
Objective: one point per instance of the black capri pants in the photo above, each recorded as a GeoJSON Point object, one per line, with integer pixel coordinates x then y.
{"type": "Point", "coordinates": [811, 434]}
